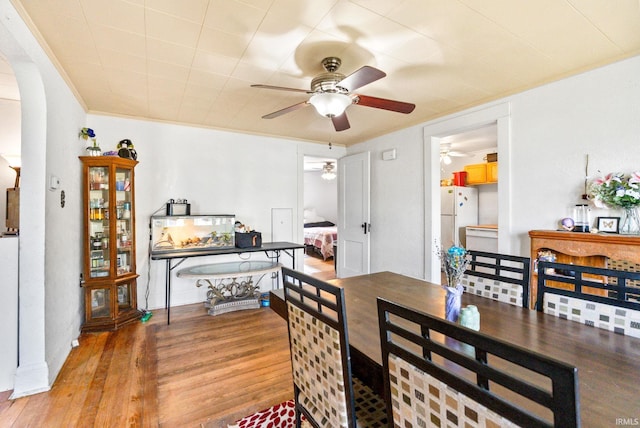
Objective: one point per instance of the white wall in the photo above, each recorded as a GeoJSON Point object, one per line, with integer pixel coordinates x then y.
{"type": "Point", "coordinates": [397, 202]}
{"type": "Point", "coordinates": [552, 127]}
{"type": "Point", "coordinates": [8, 311]}
{"type": "Point", "coordinates": [218, 173]}
{"type": "Point", "coordinates": [322, 195]}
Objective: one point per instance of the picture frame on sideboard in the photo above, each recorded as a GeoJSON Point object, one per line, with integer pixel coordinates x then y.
{"type": "Point", "coordinates": [608, 224]}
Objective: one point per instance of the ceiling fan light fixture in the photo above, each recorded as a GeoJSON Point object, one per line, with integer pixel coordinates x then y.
{"type": "Point", "coordinates": [446, 159]}
{"type": "Point", "coordinates": [330, 104]}
{"type": "Point", "coordinates": [328, 171]}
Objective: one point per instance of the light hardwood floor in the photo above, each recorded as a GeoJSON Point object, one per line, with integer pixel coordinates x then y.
{"type": "Point", "coordinates": [200, 371]}
{"type": "Point", "coordinates": [322, 269]}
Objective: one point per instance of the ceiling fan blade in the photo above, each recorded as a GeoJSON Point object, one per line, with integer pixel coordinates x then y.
{"type": "Point", "coordinates": [285, 110]}
{"type": "Point", "coordinates": [375, 102]}
{"type": "Point", "coordinates": [359, 78]}
{"type": "Point", "coordinates": [282, 88]}
{"type": "Point", "coordinates": [341, 122]}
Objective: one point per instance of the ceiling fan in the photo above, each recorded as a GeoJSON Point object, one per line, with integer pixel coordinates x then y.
{"type": "Point", "coordinates": [446, 153]}
{"type": "Point", "coordinates": [331, 93]}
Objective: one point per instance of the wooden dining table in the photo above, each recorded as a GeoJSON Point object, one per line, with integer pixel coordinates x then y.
{"type": "Point", "coordinates": [608, 363]}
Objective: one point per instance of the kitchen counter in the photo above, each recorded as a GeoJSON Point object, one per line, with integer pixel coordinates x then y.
{"type": "Point", "coordinates": [483, 237]}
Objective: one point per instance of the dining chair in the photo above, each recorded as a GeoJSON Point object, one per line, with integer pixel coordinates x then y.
{"type": "Point", "coordinates": [438, 373]}
{"type": "Point", "coordinates": [608, 302]}
{"type": "Point", "coordinates": [325, 391]}
{"type": "Point", "coordinates": [499, 277]}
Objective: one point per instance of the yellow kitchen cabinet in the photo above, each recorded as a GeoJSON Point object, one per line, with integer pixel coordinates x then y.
{"type": "Point", "coordinates": [492, 172]}
{"type": "Point", "coordinates": [482, 173]}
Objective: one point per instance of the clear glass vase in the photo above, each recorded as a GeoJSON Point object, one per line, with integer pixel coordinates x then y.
{"type": "Point", "coordinates": [630, 223]}
{"type": "Point", "coordinates": [94, 150]}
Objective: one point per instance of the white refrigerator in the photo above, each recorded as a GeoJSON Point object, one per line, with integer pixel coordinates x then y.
{"type": "Point", "coordinates": [458, 209]}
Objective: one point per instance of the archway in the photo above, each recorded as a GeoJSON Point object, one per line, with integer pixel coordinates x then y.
{"type": "Point", "coordinates": [32, 374]}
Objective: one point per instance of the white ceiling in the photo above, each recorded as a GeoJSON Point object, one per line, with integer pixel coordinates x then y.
{"type": "Point", "coordinates": [193, 61]}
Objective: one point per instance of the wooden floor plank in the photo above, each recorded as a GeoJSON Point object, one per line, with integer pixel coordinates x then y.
{"type": "Point", "coordinates": [149, 381]}
{"type": "Point", "coordinates": [77, 372]}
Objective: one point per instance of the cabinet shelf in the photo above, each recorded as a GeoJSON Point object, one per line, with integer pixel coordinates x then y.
{"type": "Point", "coordinates": [109, 243]}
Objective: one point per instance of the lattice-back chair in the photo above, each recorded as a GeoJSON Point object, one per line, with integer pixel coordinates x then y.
{"type": "Point", "coordinates": [616, 309]}
{"type": "Point", "coordinates": [499, 277]}
{"type": "Point", "coordinates": [323, 386]}
{"type": "Point", "coordinates": [438, 373]}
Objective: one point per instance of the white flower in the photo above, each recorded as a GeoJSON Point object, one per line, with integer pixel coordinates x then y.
{"type": "Point", "coordinates": [634, 194]}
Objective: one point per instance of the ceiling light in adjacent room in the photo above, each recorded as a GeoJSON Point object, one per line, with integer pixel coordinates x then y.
{"type": "Point", "coordinates": [328, 171]}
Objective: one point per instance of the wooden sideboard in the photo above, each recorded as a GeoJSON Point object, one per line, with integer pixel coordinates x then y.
{"type": "Point", "coordinates": [587, 249]}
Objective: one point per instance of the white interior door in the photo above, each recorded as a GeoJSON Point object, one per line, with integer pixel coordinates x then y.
{"type": "Point", "coordinates": [354, 227]}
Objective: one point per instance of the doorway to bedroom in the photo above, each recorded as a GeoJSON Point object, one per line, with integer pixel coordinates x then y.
{"type": "Point", "coordinates": [320, 216]}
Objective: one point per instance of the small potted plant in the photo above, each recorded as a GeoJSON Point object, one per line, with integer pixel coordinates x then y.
{"type": "Point", "coordinates": [94, 149]}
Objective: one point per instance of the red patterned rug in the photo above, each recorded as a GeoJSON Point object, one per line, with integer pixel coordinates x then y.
{"type": "Point", "coordinates": [281, 415]}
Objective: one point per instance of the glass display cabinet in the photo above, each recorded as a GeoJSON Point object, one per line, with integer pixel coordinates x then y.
{"type": "Point", "coordinates": [110, 294]}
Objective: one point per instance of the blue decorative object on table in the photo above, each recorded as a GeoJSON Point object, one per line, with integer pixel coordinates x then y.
{"type": "Point", "coordinates": [454, 262]}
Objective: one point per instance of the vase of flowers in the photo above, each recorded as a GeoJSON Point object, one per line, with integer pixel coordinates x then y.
{"type": "Point", "coordinates": [88, 134]}
{"type": "Point", "coordinates": [454, 262]}
{"type": "Point", "coordinates": [619, 191]}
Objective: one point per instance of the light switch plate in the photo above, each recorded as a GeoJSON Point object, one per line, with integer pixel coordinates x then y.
{"type": "Point", "coordinates": [389, 155]}
{"type": "Point", "coordinates": [54, 182]}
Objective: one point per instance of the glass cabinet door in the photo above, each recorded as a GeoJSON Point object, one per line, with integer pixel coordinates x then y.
{"type": "Point", "coordinates": [124, 221]}
{"type": "Point", "coordinates": [98, 216]}
{"type": "Point", "coordinates": [100, 303]}
{"type": "Point", "coordinates": [124, 296]}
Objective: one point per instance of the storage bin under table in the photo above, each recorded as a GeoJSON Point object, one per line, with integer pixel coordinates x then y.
{"type": "Point", "coordinates": [230, 284]}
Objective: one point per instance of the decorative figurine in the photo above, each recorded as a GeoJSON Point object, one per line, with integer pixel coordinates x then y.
{"type": "Point", "coordinates": [126, 150]}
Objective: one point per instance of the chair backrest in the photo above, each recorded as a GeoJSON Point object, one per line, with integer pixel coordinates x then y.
{"type": "Point", "coordinates": [615, 306]}
{"type": "Point", "coordinates": [438, 373]}
{"type": "Point", "coordinates": [499, 277]}
{"type": "Point", "coordinates": [319, 350]}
